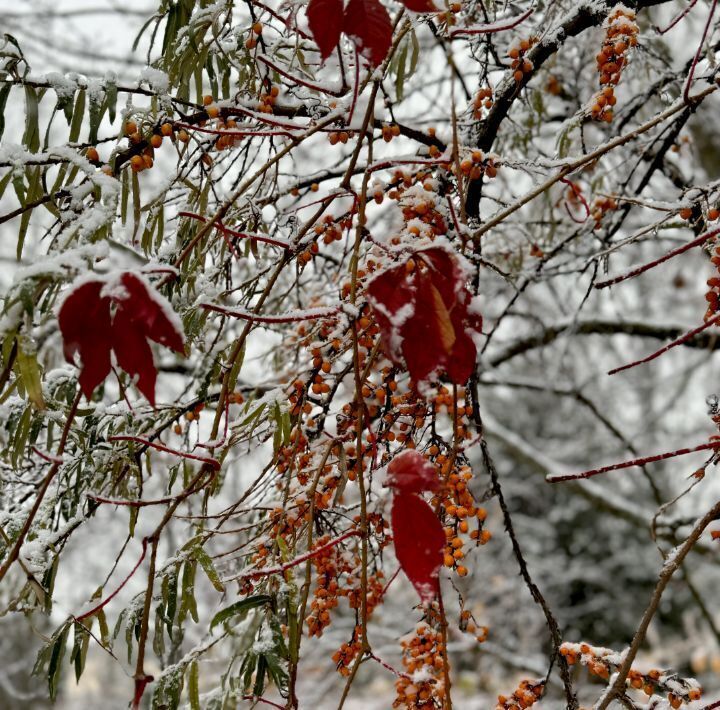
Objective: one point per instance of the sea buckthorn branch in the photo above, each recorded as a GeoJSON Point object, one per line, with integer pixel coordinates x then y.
{"type": "Point", "coordinates": [117, 590]}
{"type": "Point", "coordinates": [710, 446]}
{"type": "Point", "coordinates": [14, 552]}
{"type": "Point", "coordinates": [580, 19]}
{"type": "Point", "coordinates": [672, 564]}
{"type": "Point", "coordinates": [701, 340]}
{"type": "Point", "coordinates": [535, 593]}
{"type": "Point", "coordinates": [699, 241]}
{"type": "Point", "coordinates": [572, 165]}
{"type": "Point", "coordinates": [603, 662]}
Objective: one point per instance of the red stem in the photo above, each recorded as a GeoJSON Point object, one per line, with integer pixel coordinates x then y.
{"type": "Point", "coordinates": [492, 27]}
{"type": "Point", "coordinates": [229, 131]}
{"type": "Point", "coordinates": [677, 18]}
{"type": "Point", "coordinates": [296, 79]}
{"type": "Point", "coordinates": [108, 599]}
{"type": "Point", "coordinates": [266, 571]}
{"type": "Point", "coordinates": [646, 267]}
{"type": "Point", "coordinates": [147, 503]}
{"type": "Point", "coordinates": [696, 58]}
{"type": "Point", "coordinates": [715, 445]}
{"type": "Point", "coordinates": [682, 339]}
{"type": "Point", "coordinates": [240, 235]}
{"type": "Point", "coordinates": [578, 193]}
{"type": "Point", "coordinates": [182, 454]}
{"type": "Point", "coordinates": [287, 318]}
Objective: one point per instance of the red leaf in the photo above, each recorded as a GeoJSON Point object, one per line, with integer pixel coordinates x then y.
{"type": "Point", "coordinates": [84, 319]}
{"type": "Point", "coordinates": [424, 316]}
{"type": "Point", "coordinates": [420, 5]}
{"type": "Point", "coordinates": [151, 313]}
{"type": "Point", "coordinates": [89, 328]}
{"type": "Point", "coordinates": [411, 472]}
{"type": "Point", "coordinates": [419, 543]}
{"type": "Point", "coordinates": [368, 22]}
{"type": "Point", "coordinates": [133, 353]}
{"type": "Point", "coordinates": [325, 18]}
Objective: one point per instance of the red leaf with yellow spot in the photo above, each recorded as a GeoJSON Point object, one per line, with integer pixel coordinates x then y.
{"type": "Point", "coordinates": [423, 309]}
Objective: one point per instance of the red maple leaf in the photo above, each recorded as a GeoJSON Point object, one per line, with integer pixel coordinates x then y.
{"type": "Point", "coordinates": [120, 313]}
{"type": "Point", "coordinates": [366, 21]}
{"type": "Point", "coordinates": [423, 309]}
{"type": "Point", "coordinates": [325, 18]}
{"type": "Point", "coordinates": [419, 543]}
{"type": "Point", "coordinates": [411, 472]}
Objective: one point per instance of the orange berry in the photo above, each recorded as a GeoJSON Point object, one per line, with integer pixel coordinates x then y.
{"type": "Point", "coordinates": [257, 28]}
{"type": "Point", "coordinates": [92, 155]}
{"type": "Point", "coordinates": [130, 128]}
{"type": "Point", "coordinates": [156, 140]}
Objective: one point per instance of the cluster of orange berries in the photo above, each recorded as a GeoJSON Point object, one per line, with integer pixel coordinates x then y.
{"type": "Point", "coordinates": [329, 566]}
{"type": "Point", "coordinates": [520, 64]}
{"type": "Point", "coordinates": [390, 131]}
{"type": "Point", "coordinates": [267, 100]}
{"type": "Point", "coordinates": [526, 695]}
{"type": "Point", "coordinates": [335, 137]}
{"type": "Point", "coordinates": [600, 206]}
{"type": "Point", "coordinates": [460, 508]}
{"type": "Point", "coordinates": [255, 32]}
{"type": "Point", "coordinates": [448, 17]}
{"type": "Point", "coordinates": [419, 204]}
{"type": "Point", "coordinates": [483, 100]}
{"type": "Point", "coordinates": [423, 660]}
{"type": "Point", "coordinates": [346, 654]}
{"type": "Point", "coordinates": [478, 165]}
{"type": "Point", "coordinates": [332, 567]}
{"type": "Point", "coordinates": [331, 229]}
{"type": "Point", "coordinates": [147, 145]}
{"type": "Point", "coordinates": [620, 35]}
{"type": "Point", "coordinates": [602, 662]}
{"type": "Point", "coordinates": [713, 293]}
{"type": "Point", "coordinates": [468, 625]}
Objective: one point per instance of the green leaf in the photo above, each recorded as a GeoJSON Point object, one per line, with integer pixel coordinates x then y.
{"type": "Point", "coordinates": [4, 93]}
{"type": "Point", "coordinates": [31, 138]}
{"type": "Point", "coordinates": [29, 370]}
{"type": "Point", "coordinates": [78, 115]}
{"type": "Point", "coordinates": [207, 564]}
{"type": "Point", "coordinates": [80, 648]}
{"type": "Point", "coordinates": [111, 99]}
{"type": "Point", "coordinates": [97, 108]}
{"type": "Point", "coordinates": [193, 686]}
{"type": "Point", "coordinates": [241, 607]}
{"type": "Point", "coordinates": [56, 656]}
